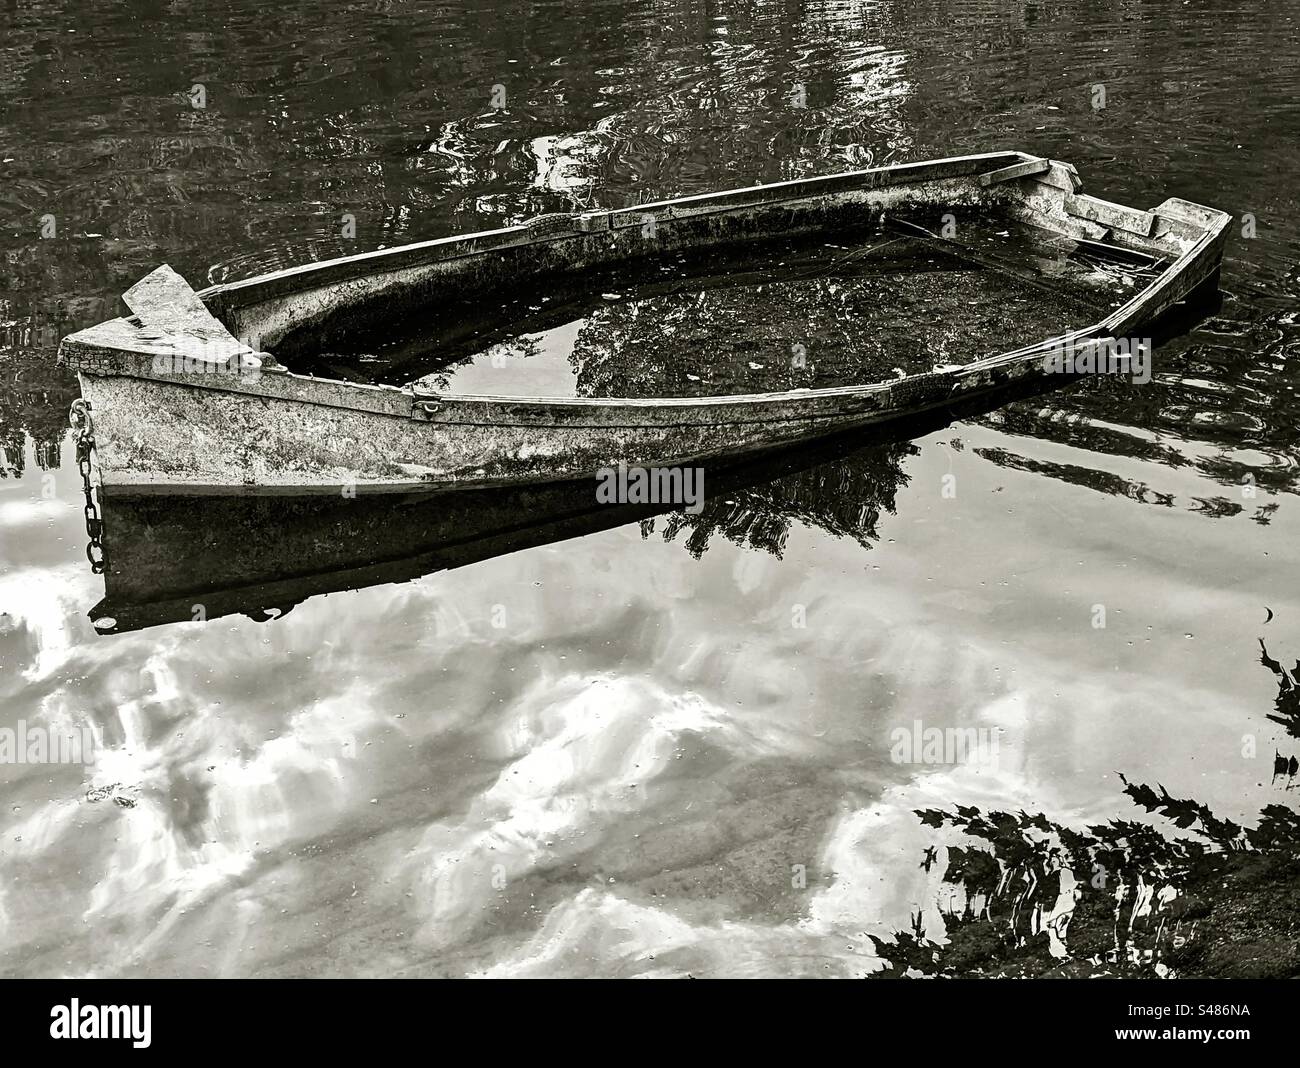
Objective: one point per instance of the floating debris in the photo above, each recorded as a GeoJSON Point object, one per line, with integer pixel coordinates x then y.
{"type": "Point", "coordinates": [121, 795]}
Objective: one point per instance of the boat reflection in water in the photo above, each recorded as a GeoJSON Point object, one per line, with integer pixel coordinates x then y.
{"type": "Point", "coordinates": [175, 558]}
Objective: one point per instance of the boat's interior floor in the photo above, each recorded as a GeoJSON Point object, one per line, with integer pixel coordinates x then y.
{"type": "Point", "coordinates": [855, 307]}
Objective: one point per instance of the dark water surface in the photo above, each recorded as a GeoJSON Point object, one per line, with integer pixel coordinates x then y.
{"type": "Point", "coordinates": [662, 748]}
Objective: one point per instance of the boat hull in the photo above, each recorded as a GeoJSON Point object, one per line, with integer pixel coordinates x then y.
{"type": "Point", "coordinates": [180, 403]}
{"type": "Point", "coordinates": [200, 439]}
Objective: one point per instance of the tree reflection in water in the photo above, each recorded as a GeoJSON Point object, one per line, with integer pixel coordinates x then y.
{"type": "Point", "coordinates": [845, 498]}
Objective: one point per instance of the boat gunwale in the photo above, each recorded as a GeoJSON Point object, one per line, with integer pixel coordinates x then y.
{"type": "Point", "coordinates": [777, 192]}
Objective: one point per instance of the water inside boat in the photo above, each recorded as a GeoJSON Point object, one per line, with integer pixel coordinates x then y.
{"type": "Point", "coordinates": [850, 308]}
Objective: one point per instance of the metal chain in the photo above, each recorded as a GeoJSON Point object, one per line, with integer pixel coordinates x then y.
{"type": "Point", "coordinates": [84, 428]}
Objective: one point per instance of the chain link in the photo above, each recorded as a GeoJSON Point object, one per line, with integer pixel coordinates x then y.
{"type": "Point", "coordinates": [84, 428]}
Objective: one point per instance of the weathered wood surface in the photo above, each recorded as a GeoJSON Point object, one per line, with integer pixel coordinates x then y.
{"type": "Point", "coordinates": [163, 300]}
{"type": "Point", "coordinates": [1017, 170]}
{"type": "Point", "coordinates": [171, 312]}
{"type": "Point", "coordinates": [1142, 223]}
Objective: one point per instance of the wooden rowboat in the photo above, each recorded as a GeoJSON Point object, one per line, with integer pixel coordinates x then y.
{"type": "Point", "coordinates": [186, 397]}
{"type": "Point", "coordinates": [166, 553]}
